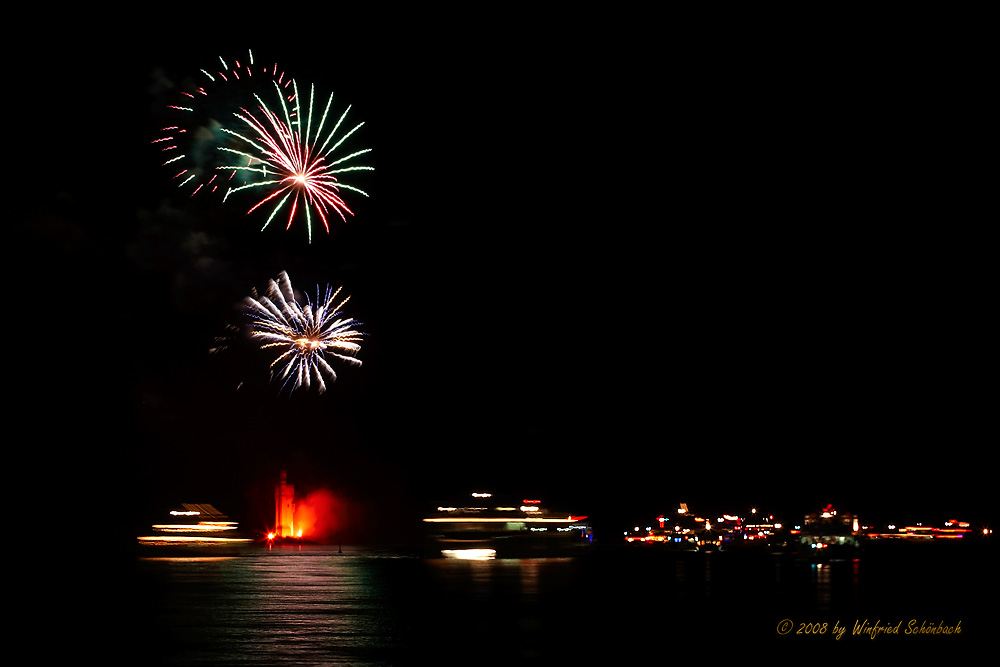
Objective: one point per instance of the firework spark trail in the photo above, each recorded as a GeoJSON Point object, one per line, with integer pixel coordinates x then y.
{"type": "Point", "coordinates": [306, 332]}
{"type": "Point", "coordinates": [301, 169]}
{"type": "Point", "coordinates": [187, 143]}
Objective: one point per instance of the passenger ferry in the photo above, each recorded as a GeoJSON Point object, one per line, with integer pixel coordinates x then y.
{"type": "Point", "coordinates": [194, 530]}
{"type": "Point", "coordinates": [486, 527]}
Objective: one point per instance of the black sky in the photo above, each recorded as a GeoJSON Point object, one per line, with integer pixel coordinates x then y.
{"type": "Point", "coordinates": [613, 268]}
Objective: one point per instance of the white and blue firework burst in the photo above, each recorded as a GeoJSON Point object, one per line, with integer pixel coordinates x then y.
{"type": "Point", "coordinates": [309, 334]}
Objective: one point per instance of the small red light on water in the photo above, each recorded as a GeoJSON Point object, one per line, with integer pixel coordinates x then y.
{"type": "Point", "coordinates": [532, 502]}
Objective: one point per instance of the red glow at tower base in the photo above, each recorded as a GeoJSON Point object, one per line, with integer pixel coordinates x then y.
{"type": "Point", "coordinates": [317, 517]}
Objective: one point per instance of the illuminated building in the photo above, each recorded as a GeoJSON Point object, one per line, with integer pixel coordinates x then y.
{"type": "Point", "coordinates": [284, 508]}
{"type": "Point", "coordinates": [827, 532]}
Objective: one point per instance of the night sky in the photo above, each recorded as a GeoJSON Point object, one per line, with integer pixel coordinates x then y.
{"type": "Point", "coordinates": [608, 268]}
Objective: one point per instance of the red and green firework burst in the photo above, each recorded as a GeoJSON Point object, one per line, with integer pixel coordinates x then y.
{"type": "Point", "coordinates": [289, 162]}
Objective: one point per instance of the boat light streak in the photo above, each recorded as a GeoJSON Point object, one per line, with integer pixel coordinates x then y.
{"type": "Point", "coordinates": [474, 519]}
{"type": "Point", "coordinates": [201, 527]}
{"type": "Point", "coordinates": [470, 554]}
{"type": "Point", "coordinates": [160, 539]}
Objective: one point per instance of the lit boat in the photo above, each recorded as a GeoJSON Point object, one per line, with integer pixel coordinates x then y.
{"type": "Point", "coordinates": [829, 534]}
{"type": "Point", "coordinates": [194, 530]}
{"type": "Point", "coordinates": [490, 529]}
{"type": "Point", "coordinates": [952, 530]}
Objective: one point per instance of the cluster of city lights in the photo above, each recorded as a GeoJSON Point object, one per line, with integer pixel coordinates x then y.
{"type": "Point", "coordinates": [820, 530]}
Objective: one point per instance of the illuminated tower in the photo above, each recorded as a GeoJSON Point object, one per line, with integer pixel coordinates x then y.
{"type": "Point", "coordinates": [284, 508]}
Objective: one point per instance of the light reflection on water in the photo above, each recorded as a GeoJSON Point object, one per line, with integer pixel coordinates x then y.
{"type": "Point", "coordinates": [312, 605]}
{"type": "Point", "coordinates": [836, 583]}
{"type": "Point", "coordinates": [821, 581]}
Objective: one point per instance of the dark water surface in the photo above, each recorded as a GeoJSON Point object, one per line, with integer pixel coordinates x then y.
{"type": "Point", "coordinates": [313, 605]}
